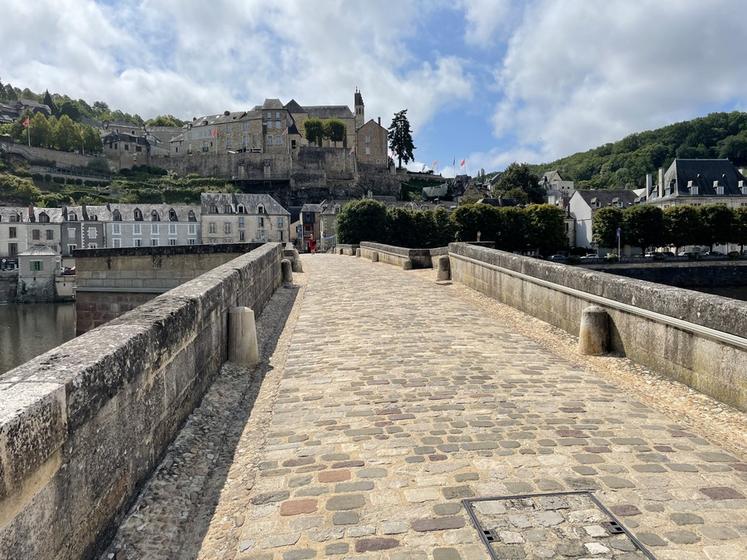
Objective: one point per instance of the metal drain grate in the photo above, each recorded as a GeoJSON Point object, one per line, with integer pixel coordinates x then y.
{"type": "Point", "coordinates": [550, 525]}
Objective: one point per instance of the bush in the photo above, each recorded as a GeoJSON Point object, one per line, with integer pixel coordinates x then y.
{"type": "Point", "coordinates": [18, 189]}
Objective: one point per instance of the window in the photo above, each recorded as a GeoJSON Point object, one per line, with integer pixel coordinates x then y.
{"type": "Point", "coordinates": [192, 229]}
{"type": "Point", "coordinates": [92, 245]}
{"type": "Point", "coordinates": [43, 218]}
{"type": "Point", "coordinates": [154, 242]}
{"type": "Point", "coordinates": [154, 217]}
{"type": "Point", "coordinates": [36, 234]}
{"type": "Point", "coordinates": [368, 138]}
{"type": "Point", "coordinates": [116, 229]}
{"type": "Point", "coordinates": [241, 209]}
{"type": "Point", "coordinates": [368, 150]}
{"type": "Point", "coordinates": [138, 215]}
{"type": "Point", "coordinates": [261, 209]}
{"type": "Point", "coordinates": [172, 216]}
{"type": "Point", "coordinates": [719, 190]}
{"type": "Point", "coordinates": [92, 233]}
{"type": "Point", "coordinates": [127, 147]}
{"type": "Point", "coordinates": [138, 149]}
{"type": "Point", "coordinates": [279, 140]}
{"type": "Point", "coordinates": [280, 222]}
{"type": "Point", "coordinates": [261, 222]}
{"type": "Point", "coordinates": [154, 229]}
{"type": "Point", "coordinates": [192, 241]}
{"type": "Point", "coordinates": [71, 247]}
{"type": "Point", "coordinates": [191, 216]}
{"type": "Point", "coordinates": [242, 236]}
{"type": "Point", "coordinates": [138, 242]}
{"type": "Point", "coordinates": [12, 249]}
{"type": "Point", "coordinates": [36, 266]}
{"type": "Point", "coordinates": [227, 209]}
{"type": "Point", "coordinates": [172, 229]}
{"type": "Point", "coordinates": [50, 235]}
{"type": "Point", "coordinates": [12, 232]}
{"type": "Point", "coordinates": [226, 227]}
{"type": "Point", "coordinates": [117, 243]}
{"type": "Point", "coordinates": [211, 227]}
{"type": "Point", "coordinates": [136, 229]}
{"type": "Point", "coordinates": [281, 235]}
{"type": "Point", "coordinates": [117, 216]}
{"type": "Point", "coordinates": [172, 241]}
{"type": "Point", "coordinates": [268, 140]}
{"type": "Point", "coordinates": [241, 222]}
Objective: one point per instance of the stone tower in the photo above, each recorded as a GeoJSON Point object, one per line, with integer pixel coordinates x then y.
{"type": "Point", "coordinates": [359, 115]}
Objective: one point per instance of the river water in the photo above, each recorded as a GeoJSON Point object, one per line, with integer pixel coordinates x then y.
{"type": "Point", "coordinates": [27, 330]}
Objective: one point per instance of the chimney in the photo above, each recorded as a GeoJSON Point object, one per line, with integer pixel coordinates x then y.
{"type": "Point", "coordinates": [661, 182]}
{"type": "Point", "coordinates": [649, 185]}
{"type": "Point", "coordinates": [380, 125]}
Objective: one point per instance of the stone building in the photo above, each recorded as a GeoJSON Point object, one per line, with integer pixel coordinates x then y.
{"type": "Point", "coordinates": [698, 182]}
{"type": "Point", "coordinates": [557, 190]}
{"type": "Point", "coordinates": [37, 267]}
{"type": "Point", "coordinates": [154, 225]}
{"type": "Point", "coordinates": [125, 150]}
{"type": "Point", "coordinates": [311, 218]}
{"type": "Point", "coordinates": [45, 228]}
{"type": "Point", "coordinates": [241, 217]}
{"type": "Point", "coordinates": [372, 146]}
{"type": "Point", "coordinates": [83, 227]}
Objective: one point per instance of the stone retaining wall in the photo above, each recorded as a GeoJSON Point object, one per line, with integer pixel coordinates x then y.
{"type": "Point", "coordinates": [698, 339]}
{"type": "Point", "coordinates": [8, 285]}
{"type": "Point", "coordinates": [401, 256]}
{"type": "Point", "coordinates": [704, 274]}
{"type": "Point", "coordinates": [82, 426]}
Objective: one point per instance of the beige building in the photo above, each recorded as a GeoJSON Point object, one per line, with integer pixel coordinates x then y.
{"type": "Point", "coordinates": [240, 218]}
{"type": "Point", "coordinates": [372, 144]}
{"type": "Point", "coordinates": [13, 232]}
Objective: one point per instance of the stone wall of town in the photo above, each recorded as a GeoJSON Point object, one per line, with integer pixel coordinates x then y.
{"type": "Point", "coordinates": [82, 426]}
{"type": "Point", "coordinates": [8, 285]}
{"type": "Point", "coordinates": [61, 159]}
{"type": "Point", "coordinates": [697, 339]}
{"type": "Point", "coordinates": [110, 282]}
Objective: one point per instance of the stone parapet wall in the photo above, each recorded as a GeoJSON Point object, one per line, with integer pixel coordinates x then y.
{"type": "Point", "coordinates": [82, 426]}
{"type": "Point", "coordinates": [695, 338]}
{"type": "Point", "coordinates": [346, 249]}
{"type": "Point", "coordinates": [399, 256]}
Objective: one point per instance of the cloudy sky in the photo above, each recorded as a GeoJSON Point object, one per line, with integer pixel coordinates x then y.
{"type": "Point", "coordinates": [489, 81]}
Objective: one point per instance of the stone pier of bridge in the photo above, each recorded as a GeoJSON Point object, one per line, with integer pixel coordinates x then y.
{"type": "Point", "coordinates": [385, 399]}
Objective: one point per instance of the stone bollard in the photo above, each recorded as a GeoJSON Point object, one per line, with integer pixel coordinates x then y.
{"type": "Point", "coordinates": [287, 270]}
{"type": "Point", "coordinates": [296, 262]}
{"type": "Point", "coordinates": [374, 256]}
{"type": "Point", "coordinates": [407, 265]}
{"type": "Point", "coordinates": [242, 337]}
{"type": "Point", "coordinates": [594, 335]}
{"type": "Point", "coordinates": [444, 269]}
{"type": "Point", "coordinates": [358, 252]}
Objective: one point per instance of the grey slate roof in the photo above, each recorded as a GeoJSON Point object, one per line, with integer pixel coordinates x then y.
{"type": "Point", "coordinates": [702, 172]}
{"type": "Point", "coordinates": [7, 211]}
{"type": "Point", "coordinates": [38, 251]}
{"type": "Point", "coordinates": [127, 211]}
{"type": "Point", "coordinates": [272, 103]}
{"type": "Point", "coordinates": [250, 202]}
{"type": "Point", "coordinates": [607, 197]}
{"type": "Point", "coordinates": [222, 118]}
{"type": "Point", "coordinates": [293, 107]}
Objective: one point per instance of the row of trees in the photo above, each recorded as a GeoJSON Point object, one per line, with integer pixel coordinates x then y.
{"type": "Point", "coordinates": [317, 130]}
{"type": "Point", "coordinates": [57, 133]}
{"type": "Point", "coordinates": [647, 226]}
{"type": "Point", "coordinates": [538, 227]}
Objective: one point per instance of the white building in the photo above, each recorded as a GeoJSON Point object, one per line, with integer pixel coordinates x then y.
{"type": "Point", "coordinates": [154, 225]}
{"type": "Point", "coordinates": [239, 218]}
{"type": "Point", "coordinates": [585, 203]}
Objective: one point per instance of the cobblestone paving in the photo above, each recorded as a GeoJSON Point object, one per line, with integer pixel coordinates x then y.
{"type": "Point", "coordinates": [398, 399]}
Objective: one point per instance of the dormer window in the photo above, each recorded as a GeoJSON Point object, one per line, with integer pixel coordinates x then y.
{"type": "Point", "coordinates": [742, 188]}
{"type": "Point", "coordinates": [227, 209]}
{"type": "Point", "coordinates": [117, 216]}
{"type": "Point", "coordinates": [692, 188]}
{"type": "Point", "coordinates": [172, 216]}
{"type": "Point", "coordinates": [718, 188]}
{"type": "Point", "coordinates": [154, 217]}
{"type": "Point", "coordinates": [241, 209]}
{"type": "Point", "coordinates": [261, 209]}
{"type": "Point", "coordinates": [72, 217]}
{"type": "Point", "coordinates": [138, 215]}
{"type": "Point", "coordinates": [191, 216]}
{"type": "Point", "coordinates": [213, 209]}
{"type": "Point", "coordinates": [43, 218]}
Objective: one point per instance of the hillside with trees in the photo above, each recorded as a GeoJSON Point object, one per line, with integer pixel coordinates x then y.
{"type": "Point", "coordinates": [624, 164]}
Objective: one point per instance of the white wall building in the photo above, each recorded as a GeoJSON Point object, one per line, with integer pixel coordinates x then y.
{"type": "Point", "coordinates": [239, 218]}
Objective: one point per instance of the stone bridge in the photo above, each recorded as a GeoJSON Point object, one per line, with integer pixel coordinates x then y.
{"type": "Point", "coordinates": [385, 407]}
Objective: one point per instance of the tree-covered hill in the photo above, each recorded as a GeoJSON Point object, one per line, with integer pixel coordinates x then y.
{"type": "Point", "coordinates": [625, 163]}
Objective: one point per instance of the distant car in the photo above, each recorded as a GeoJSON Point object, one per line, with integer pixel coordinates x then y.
{"type": "Point", "coordinates": [713, 254]}
{"type": "Point", "coordinates": [558, 258]}
{"type": "Point", "coordinates": [656, 255]}
{"type": "Point", "coordinates": [589, 257]}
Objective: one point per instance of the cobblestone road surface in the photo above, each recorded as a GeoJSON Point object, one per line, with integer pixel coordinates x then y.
{"type": "Point", "coordinates": [398, 398]}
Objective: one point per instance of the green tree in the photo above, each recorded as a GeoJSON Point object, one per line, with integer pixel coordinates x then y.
{"type": "Point", "coordinates": [17, 190]}
{"type": "Point", "coordinates": [160, 120]}
{"type": "Point", "coordinates": [734, 148]}
{"type": "Point", "coordinates": [66, 135]}
{"type": "Point", "coordinates": [739, 227]}
{"type": "Point", "coordinates": [314, 129]}
{"type": "Point", "coordinates": [400, 226]}
{"type": "Point", "coordinates": [362, 220]}
{"type": "Point", "coordinates": [643, 226]}
{"type": "Point", "coordinates": [469, 220]}
{"type": "Point", "coordinates": [400, 138]}
{"type": "Point", "coordinates": [514, 229]}
{"type": "Point", "coordinates": [40, 131]}
{"type": "Point", "coordinates": [10, 93]}
{"type": "Point", "coordinates": [49, 102]}
{"type": "Point", "coordinates": [335, 130]}
{"type": "Point", "coordinates": [715, 224]}
{"type": "Point", "coordinates": [443, 228]}
{"type": "Point", "coordinates": [546, 228]}
{"type": "Point", "coordinates": [520, 176]}
{"type": "Point", "coordinates": [605, 223]}
{"type": "Point", "coordinates": [91, 140]}
{"type": "Point", "coordinates": [681, 226]}
{"type": "Point", "coordinates": [70, 109]}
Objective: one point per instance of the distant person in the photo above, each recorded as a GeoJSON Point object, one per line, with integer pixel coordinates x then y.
{"type": "Point", "coordinates": [312, 246]}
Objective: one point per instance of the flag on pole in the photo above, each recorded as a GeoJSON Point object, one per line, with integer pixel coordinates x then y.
{"type": "Point", "coordinates": [463, 163]}
{"type": "Point", "coordinates": [26, 122]}
{"type": "Point", "coordinates": [214, 133]}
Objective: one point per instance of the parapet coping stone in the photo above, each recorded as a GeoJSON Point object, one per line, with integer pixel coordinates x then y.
{"type": "Point", "coordinates": [715, 312]}
{"type": "Point", "coordinates": [166, 250]}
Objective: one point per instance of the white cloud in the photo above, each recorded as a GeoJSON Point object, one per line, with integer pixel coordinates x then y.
{"type": "Point", "coordinates": [577, 74]}
{"type": "Point", "coordinates": [193, 57]}
{"type": "Point", "coordinates": [488, 20]}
